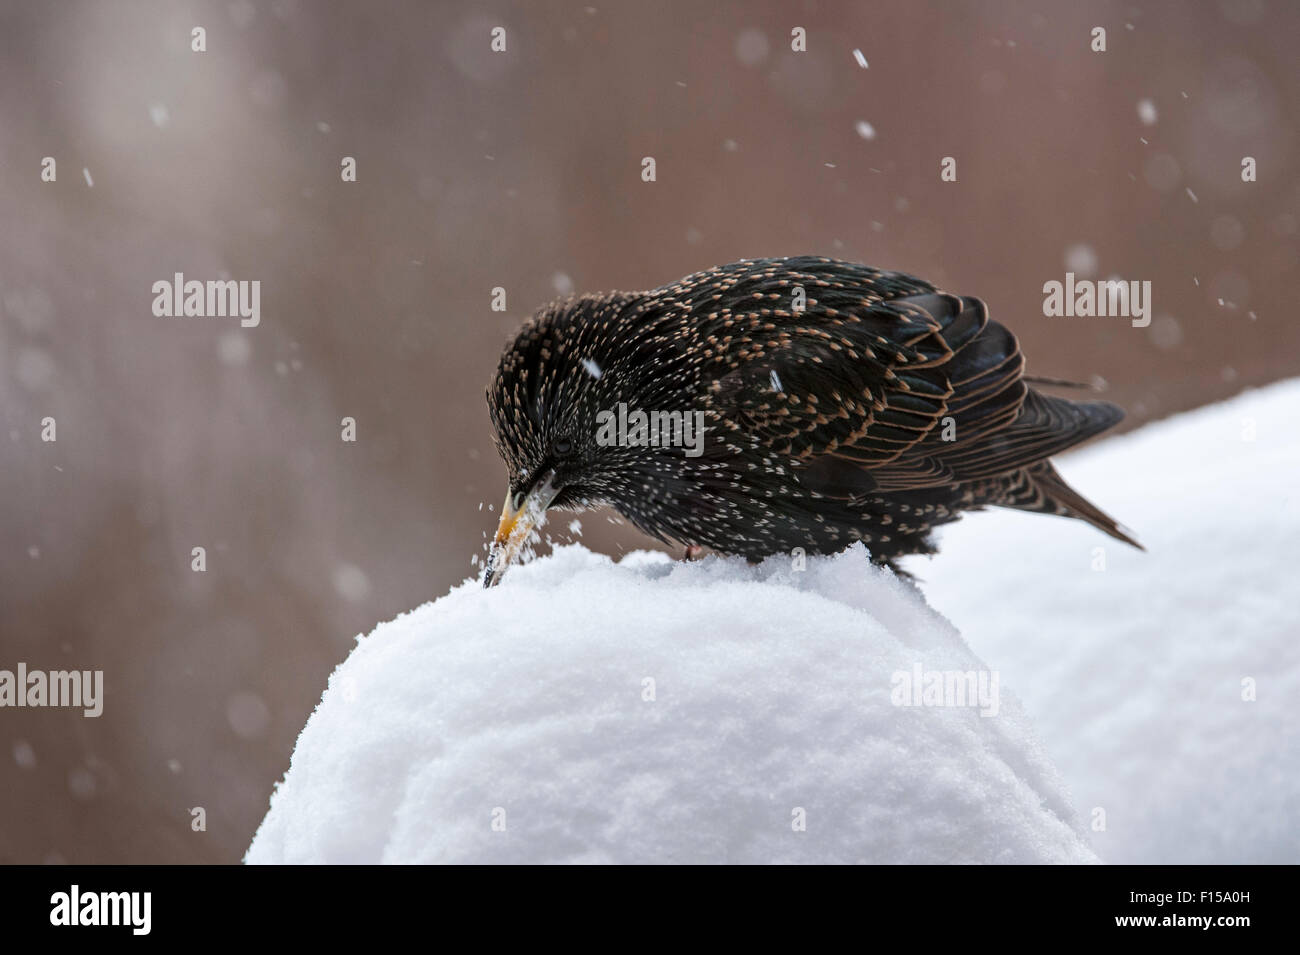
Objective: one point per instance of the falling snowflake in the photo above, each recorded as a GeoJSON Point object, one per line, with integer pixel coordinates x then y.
{"type": "Point", "coordinates": [1081, 260]}
{"type": "Point", "coordinates": [351, 583]}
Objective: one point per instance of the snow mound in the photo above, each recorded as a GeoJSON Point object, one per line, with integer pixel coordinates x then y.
{"type": "Point", "coordinates": [655, 711]}
{"type": "Point", "coordinates": [1138, 668]}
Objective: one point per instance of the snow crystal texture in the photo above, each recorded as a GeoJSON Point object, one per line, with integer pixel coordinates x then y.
{"type": "Point", "coordinates": [519, 724]}
{"type": "Point", "coordinates": [1163, 684]}
{"type": "Point", "coordinates": [1134, 674]}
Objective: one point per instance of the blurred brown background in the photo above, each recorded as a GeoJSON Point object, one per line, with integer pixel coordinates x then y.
{"type": "Point", "coordinates": [520, 170]}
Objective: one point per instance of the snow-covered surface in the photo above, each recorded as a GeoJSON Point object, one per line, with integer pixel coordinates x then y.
{"type": "Point", "coordinates": [1133, 674]}
{"type": "Point", "coordinates": [517, 725]}
{"type": "Point", "coordinates": [772, 692]}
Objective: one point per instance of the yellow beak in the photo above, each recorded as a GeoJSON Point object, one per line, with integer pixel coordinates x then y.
{"type": "Point", "coordinates": [517, 525]}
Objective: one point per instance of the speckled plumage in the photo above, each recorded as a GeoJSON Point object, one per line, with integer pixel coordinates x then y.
{"type": "Point", "coordinates": [882, 409]}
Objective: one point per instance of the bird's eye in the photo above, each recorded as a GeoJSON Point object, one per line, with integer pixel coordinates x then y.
{"type": "Point", "coordinates": [563, 446]}
{"type": "Point", "coordinates": [519, 500]}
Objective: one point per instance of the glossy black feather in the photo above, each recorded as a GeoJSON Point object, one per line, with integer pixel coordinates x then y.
{"type": "Point", "coordinates": [882, 408]}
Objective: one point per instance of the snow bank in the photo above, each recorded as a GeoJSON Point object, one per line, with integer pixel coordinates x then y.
{"type": "Point", "coordinates": [520, 724]}
{"type": "Point", "coordinates": [1134, 674]}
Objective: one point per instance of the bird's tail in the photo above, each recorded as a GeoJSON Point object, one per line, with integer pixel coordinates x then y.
{"type": "Point", "coordinates": [1041, 489]}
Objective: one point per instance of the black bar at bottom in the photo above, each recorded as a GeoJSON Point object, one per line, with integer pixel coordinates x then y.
{"type": "Point", "coordinates": [302, 904]}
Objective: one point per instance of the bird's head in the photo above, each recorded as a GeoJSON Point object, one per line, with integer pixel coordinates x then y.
{"type": "Point", "coordinates": [544, 400]}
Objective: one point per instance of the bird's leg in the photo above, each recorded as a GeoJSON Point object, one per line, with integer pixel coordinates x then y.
{"type": "Point", "coordinates": [693, 552]}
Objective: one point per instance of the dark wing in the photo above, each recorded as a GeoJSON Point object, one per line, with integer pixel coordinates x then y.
{"type": "Point", "coordinates": [913, 391]}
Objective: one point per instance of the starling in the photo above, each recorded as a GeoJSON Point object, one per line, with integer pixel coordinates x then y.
{"type": "Point", "coordinates": [838, 403]}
